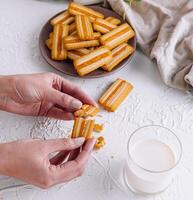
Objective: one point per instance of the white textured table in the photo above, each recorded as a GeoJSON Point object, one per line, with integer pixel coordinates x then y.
{"type": "Point", "coordinates": [151, 102]}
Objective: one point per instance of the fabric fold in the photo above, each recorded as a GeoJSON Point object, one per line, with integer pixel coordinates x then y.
{"type": "Point", "coordinates": [164, 32]}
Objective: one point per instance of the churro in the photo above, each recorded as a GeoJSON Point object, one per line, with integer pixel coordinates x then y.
{"type": "Point", "coordinates": [117, 36]}
{"type": "Point", "coordinates": [84, 27]}
{"type": "Point", "coordinates": [73, 42]}
{"type": "Point", "coordinates": [64, 18]}
{"type": "Point", "coordinates": [119, 54]}
{"type": "Point", "coordinates": [93, 60]}
{"type": "Point", "coordinates": [115, 95]}
{"type": "Point", "coordinates": [87, 111]}
{"type": "Point", "coordinates": [83, 128]}
{"type": "Point", "coordinates": [77, 9]}
{"type": "Point", "coordinates": [103, 26]}
{"type": "Point", "coordinates": [72, 28]}
{"type": "Point", "coordinates": [58, 51]}
{"type": "Point", "coordinates": [113, 20]}
{"type": "Point", "coordinates": [74, 54]}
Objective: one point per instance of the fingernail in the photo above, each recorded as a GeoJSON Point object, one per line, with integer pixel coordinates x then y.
{"type": "Point", "coordinates": [79, 140]}
{"type": "Point", "coordinates": [76, 104]}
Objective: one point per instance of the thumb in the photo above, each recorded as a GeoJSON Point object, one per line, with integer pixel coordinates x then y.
{"type": "Point", "coordinates": [67, 144]}
{"type": "Point", "coordinates": [64, 100]}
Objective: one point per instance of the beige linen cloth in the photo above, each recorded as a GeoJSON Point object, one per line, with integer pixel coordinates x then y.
{"type": "Point", "coordinates": [164, 31]}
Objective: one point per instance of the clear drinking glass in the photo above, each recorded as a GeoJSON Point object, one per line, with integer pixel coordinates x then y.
{"type": "Point", "coordinates": [153, 154]}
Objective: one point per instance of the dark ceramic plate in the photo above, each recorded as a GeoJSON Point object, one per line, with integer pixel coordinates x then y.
{"type": "Point", "coordinates": [67, 66]}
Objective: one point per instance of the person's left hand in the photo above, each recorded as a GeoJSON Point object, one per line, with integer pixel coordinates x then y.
{"type": "Point", "coordinates": [45, 94]}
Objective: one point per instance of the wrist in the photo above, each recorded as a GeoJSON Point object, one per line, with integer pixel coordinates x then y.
{"type": "Point", "coordinates": [5, 158]}
{"type": "Point", "coordinates": [5, 89]}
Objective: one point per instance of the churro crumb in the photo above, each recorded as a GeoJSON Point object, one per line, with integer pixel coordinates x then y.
{"type": "Point", "coordinates": [100, 143]}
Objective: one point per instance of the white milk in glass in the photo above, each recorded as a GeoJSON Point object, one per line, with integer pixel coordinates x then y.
{"type": "Point", "coordinates": [151, 162]}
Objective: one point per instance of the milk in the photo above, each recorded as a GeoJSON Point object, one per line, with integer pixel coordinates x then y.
{"type": "Point", "coordinates": [148, 166]}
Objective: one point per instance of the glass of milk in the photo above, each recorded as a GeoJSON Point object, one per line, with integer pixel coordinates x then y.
{"type": "Point", "coordinates": [153, 154]}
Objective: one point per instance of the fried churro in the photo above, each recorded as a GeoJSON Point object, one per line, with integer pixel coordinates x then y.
{"type": "Point", "coordinates": [119, 54]}
{"type": "Point", "coordinates": [84, 27]}
{"type": "Point", "coordinates": [77, 9]}
{"type": "Point", "coordinates": [64, 18]}
{"type": "Point", "coordinates": [113, 20]}
{"type": "Point", "coordinates": [75, 54]}
{"type": "Point", "coordinates": [73, 42]}
{"type": "Point", "coordinates": [93, 60]}
{"type": "Point", "coordinates": [115, 95]}
{"type": "Point", "coordinates": [83, 128]}
{"type": "Point", "coordinates": [117, 36]}
{"type": "Point", "coordinates": [86, 111]}
{"type": "Point", "coordinates": [58, 51]}
{"type": "Point", "coordinates": [103, 26]}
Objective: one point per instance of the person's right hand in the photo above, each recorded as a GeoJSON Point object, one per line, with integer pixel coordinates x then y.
{"type": "Point", "coordinates": [29, 161]}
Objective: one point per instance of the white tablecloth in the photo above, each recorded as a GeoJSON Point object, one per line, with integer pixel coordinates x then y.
{"type": "Point", "coordinates": [151, 102]}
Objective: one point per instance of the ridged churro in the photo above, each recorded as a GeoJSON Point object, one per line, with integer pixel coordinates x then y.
{"type": "Point", "coordinates": [119, 54]}
{"type": "Point", "coordinates": [73, 42]}
{"type": "Point", "coordinates": [113, 20]}
{"type": "Point", "coordinates": [87, 111]}
{"type": "Point", "coordinates": [103, 26]}
{"type": "Point", "coordinates": [84, 27]}
{"type": "Point", "coordinates": [117, 36]}
{"type": "Point", "coordinates": [64, 18]}
{"type": "Point", "coordinates": [82, 128]}
{"type": "Point", "coordinates": [115, 95]}
{"type": "Point", "coordinates": [72, 28]}
{"type": "Point", "coordinates": [75, 54]}
{"type": "Point", "coordinates": [92, 61]}
{"type": "Point", "coordinates": [58, 51]}
{"type": "Point", "coordinates": [77, 9]}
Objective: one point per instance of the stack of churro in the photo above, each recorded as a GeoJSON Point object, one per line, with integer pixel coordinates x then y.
{"type": "Point", "coordinates": [90, 40]}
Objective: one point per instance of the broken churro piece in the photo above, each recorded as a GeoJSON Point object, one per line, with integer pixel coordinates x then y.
{"type": "Point", "coordinates": [117, 36]}
{"type": "Point", "coordinates": [98, 127]}
{"type": "Point", "coordinates": [119, 54]}
{"type": "Point", "coordinates": [64, 18]}
{"type": "Point", "coordinates": [113, 20]}
{"type": "Point", "coordinates": [58, 51]}
{"type": "Point", "coordinates": [92, 61]}
{"type": "Point", "coordinates": [77, 9]}
{"type": "Point", "coordinates": [83, 128]}
{"type": "Point", "coordinates": [84, 27]}
{"type": "Point", "coordinates": [103, 26]}
{"type": "Point", "coordinates": [115, 95]}
{"type": "Point", "coordinates": [86, 111]}
{"type": "Point", "coordinates": [99, 143]}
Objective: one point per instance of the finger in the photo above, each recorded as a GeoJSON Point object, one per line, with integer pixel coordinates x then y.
{"type": "Point", "coordinates": [73, 154]}
{"type": "Point", "coordinates": [75, 91]}
{"type": "Point", "coordinates": [75, 168]}
{"type": "Point", "coordinates": [67, 144]}
{"type": "Point", "coordinates": [59, 113]}
{"type": "Point", "coordinates": [59, 158]}
{"type": "Point", "coordinates": [64, 100]}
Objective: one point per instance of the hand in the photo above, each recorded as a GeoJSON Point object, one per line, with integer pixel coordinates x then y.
{"type": "Point", "coordinates": [28, 160]}
{"type": "Point", "coordinates": [45, 94]}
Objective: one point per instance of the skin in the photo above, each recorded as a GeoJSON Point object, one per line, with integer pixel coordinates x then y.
{"type": "Point", "coordinates": [30, 160]}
